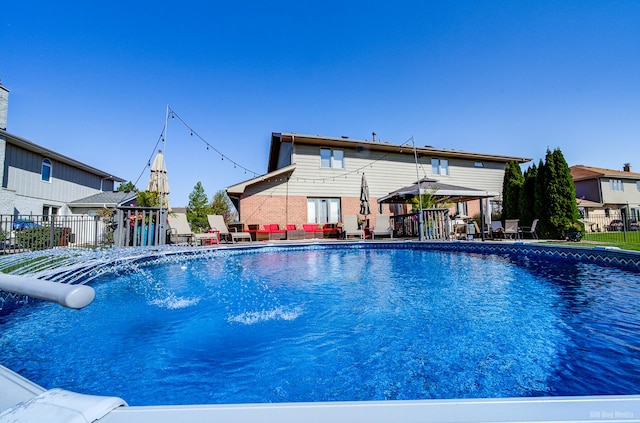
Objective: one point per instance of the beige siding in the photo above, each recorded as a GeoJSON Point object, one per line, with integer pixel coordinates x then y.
{"type": "Point", "coordinates": [385, 172]}
{"type": "Point", "coordinates": [630, 194]}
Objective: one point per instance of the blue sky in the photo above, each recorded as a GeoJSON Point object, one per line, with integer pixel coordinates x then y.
{"type": "Point", "coordinates": [92, 80]}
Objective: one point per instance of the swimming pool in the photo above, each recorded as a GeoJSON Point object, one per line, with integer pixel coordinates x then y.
{"type": "Point", "coordinates": [339, 323]}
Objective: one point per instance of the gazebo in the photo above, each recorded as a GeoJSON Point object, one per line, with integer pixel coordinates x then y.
{"type": "Point", "coordinates": [452, 193]}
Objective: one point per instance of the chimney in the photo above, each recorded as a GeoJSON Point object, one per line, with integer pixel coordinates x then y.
{"type": "Point", "coordinates": [374, 136]}
{"type": "Point", "coordinates": [626, 167]}
{"type": "Point", "coordinates": [4, 106]}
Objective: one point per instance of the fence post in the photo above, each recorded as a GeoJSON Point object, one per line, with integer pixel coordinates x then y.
{"type": "Point", "coordinates": [95, 230]}
{"type": "Point", "coordinates": [52, 222]}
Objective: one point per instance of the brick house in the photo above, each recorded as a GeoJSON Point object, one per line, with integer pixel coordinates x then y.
{"type": "Point", "coordinates": [317, 179]}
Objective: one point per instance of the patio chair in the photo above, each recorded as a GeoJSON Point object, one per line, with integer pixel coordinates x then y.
{"type": "Point", "coordinates": [181, 233]}
{"type": "Point", "coordinates": [497, 231]}
{"type": "Point", "coordinates": [531, 230]}
{"type": "Point", "coordinates": [216, 222]}
{"type": "Point", "coordinates": [350, 227]}
{"type": "Point", "coordinates": [487, 233]}
{"type": "Point", "coordinates": [511, 228]}
{"type": "Point", "coordinates": [382, 226]}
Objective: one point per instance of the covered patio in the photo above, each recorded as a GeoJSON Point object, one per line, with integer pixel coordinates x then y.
{"type": "Point", "coordinates": [445, 192]}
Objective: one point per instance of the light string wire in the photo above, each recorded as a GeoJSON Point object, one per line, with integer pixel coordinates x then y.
{"type": "Point", "coordinates": [256, 174]}
{"type": "Point", "coordinates": [360, 169]}
{"type": "Point", "coordinates": [236, 164]}
{"type": "Point", "coordinates": [211, 146]}
{"type": "Point", "coordinates": [155, 148]}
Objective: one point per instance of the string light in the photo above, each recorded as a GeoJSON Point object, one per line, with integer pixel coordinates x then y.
{"type": "Point", "coordinates": [192, 132]}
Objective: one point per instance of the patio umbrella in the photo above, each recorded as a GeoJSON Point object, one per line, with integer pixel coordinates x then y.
{"type": "Point", "coordinates": [158, 181]}
{"type": "Point", "coordinates": [365, 208]}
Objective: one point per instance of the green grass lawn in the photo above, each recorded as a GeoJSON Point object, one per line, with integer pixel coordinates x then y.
{"type": "Point", "coordinates": [625, 241]}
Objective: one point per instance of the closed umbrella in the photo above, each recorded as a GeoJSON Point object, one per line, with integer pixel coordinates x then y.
{"type": "Point", "coordinates": [158, 181]}
{"type": "Point", "coordinates": [365, 208]}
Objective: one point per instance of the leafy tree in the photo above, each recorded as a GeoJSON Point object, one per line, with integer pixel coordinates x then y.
{"type": "Point", "coordinates": [198, 209]}
{"type": "Point", "coordinates": [528, 196]}
{"type": "Point", "coordinates": [128, 187]}
{"type": "Point", "coordinates": [429, 200]}
{"type": "Point", "coordinates": [148, 199]}
{"type": "Point", "coordinates": [511, 186]}
{"type": "Point", "coordinates": [221, 204]}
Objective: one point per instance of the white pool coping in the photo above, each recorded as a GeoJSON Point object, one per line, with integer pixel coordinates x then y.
{"type": "Point", "coordinates": [23, 401]}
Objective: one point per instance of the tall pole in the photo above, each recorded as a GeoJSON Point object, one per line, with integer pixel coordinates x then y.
{"type": "Point", "coordinates": [162, 232]}
{"type": "Point", "coordinates": [420, 219]}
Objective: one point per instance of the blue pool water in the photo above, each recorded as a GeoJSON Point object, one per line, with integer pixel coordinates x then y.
{"type": "Point", "coordinates": [328, 324]}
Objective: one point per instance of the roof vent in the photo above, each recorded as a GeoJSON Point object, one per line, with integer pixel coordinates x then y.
{"type": "Point", "coordinates": [344, 137]}
{"type": "Point", "coordinates": [374, 136]}
{"type": "Point", "coordinates": [627, 167]}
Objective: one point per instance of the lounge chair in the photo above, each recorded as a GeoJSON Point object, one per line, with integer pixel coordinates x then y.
{"type": "Point", "coordinates": [216, 222]}
{"type": "Point", "coordinates": [531, 230]}
{"type": "Point", "coordinates": [382, 226]}
{"type": "Point", "coordinates": [181, 232]}
{"type": "Point", "coordinates": [511, 228]}
{"type": "Point", "coordinates": [350, 227]}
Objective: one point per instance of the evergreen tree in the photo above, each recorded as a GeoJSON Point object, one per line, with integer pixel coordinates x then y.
{"type": "Point", "coordinates": [198, 209]}
{"type": "Point", "coordinates": [562, 197]}
{"type": "Point", "coordinates": [540, 209]}
{"type": "Point", "coordinates": [511, 186]}
{"type": "Point", "coordinates": [222, 205]}
{"type": "Point", "coordinates": [556, 204]}
{"type": "Point", "coordinates": [528, 196]}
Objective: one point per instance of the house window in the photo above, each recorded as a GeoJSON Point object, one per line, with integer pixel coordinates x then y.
{"type": "Point", "coordinates": [615, 184]}
{"type": "Point", "coordinates": [440, 167]}
{"type": "Point", "coordinates": [323, 210]}
{"type": "Point", "coordinates": [46, 170]}
{"type": "Point", "coordinates": [638, 185]}
{"type": "Point", "coordinates": [331, 158]}
{"type": "Point", "coordinates": [49, 211]}
{"type": "Point", "coordinates": [478, 164]}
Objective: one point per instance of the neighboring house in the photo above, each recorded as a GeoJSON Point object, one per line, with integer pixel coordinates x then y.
{"type": "Point", "coordinates": [36, 180]}
{"type": "Point", "coordinates": [317, 179]}
{"type": "Point", "coordinates": [103, 200]}
{"type": "Point", "coordinates": [617, 192]}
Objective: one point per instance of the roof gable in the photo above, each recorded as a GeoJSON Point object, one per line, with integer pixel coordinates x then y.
{"type": "Point", "coordinates": [108, 198]}
{"type": "Point", "coordinates": [30, 146]}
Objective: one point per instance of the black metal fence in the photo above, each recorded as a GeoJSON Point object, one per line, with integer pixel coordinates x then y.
{"type": "Point", "coordinates": [125, 227]}
{"type": "Point", "coordinates": [20, 233]}
{"type": "Point", "coordinates": [615, 226]}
